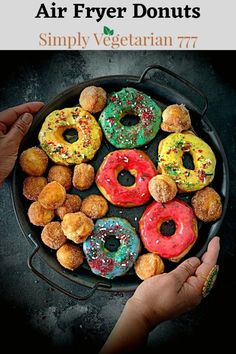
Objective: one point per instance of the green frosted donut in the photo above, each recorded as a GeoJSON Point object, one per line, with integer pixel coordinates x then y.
{"type": "Point", "coordinates": [133, 102]}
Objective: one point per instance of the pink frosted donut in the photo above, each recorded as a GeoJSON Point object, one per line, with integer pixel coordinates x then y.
{"type": "Point", "coordinates": [171, 247]}
{"type": "Point", "coordinates": [138, 164]}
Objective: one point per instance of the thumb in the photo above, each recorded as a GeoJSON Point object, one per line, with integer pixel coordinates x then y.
{"type": "Point", "coordinates": [185, 270]}
{"type": "Point", "coordinates": [20, 128]}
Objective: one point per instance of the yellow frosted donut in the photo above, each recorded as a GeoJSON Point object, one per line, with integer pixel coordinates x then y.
{"type": "Point", "coordinates": [170, 154]}
{"type": "Point", "coordinates": [61, 151]}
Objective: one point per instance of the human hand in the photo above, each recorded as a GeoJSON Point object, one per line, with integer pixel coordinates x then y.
{"type": "Point", "coordinates": [168, 295]}
{"type": "Point", "coordinates": [14, 124]}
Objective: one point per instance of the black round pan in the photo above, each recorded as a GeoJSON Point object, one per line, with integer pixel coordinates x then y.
{"type": "Point", "coordinates": [163, 95]}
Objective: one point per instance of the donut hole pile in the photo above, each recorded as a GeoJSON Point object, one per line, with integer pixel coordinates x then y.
{"type": "Point", "coordinates": [64, 218]}
{"type": "Point", "coordinates": [76, 228]}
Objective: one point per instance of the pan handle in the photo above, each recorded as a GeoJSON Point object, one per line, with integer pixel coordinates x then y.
{"type": "Point", "coordinates": [176, 76]}
{"type": "Point", "coordinates": [56, 286]}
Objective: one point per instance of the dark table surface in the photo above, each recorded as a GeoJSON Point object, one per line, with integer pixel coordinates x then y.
{"type": "Point", "coordinates": [30, 308]}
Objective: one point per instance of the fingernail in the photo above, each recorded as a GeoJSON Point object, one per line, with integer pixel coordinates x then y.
{"type": "Point", "coordinates": [194, 262]}
{"type": "Point", "coordinates": [27, 118]}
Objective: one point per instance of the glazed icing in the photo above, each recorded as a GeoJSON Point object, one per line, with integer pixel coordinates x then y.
{"type": "Point", "coordinates": [138, 164]}
{"type": "Point", "coordinates": [106, 263]}
{"type": "Point", "coordinates": [58, 149]}
{"type": "Point", "coordinates": [130, 101]}
{"type": "Point", "coordinates": [185, 223]}
{"type": "Point", "coordinates": [170, 152]}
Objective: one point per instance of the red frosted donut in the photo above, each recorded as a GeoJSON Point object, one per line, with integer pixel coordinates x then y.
{"type": "Point", "coordinates": [138, 164]}
{"type": "Point", "coordinates": [172, 247]}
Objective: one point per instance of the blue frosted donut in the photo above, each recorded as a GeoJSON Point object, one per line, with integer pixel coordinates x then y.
{"type": "Point", "coordinates": [112, 248]}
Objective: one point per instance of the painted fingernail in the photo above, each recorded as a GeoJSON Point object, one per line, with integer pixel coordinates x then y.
{"type": "Point", "coordinates": [27, 118]}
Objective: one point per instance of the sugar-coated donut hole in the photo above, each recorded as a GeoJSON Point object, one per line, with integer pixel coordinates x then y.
{"type": "Point", "coordinates": [112, 243]}
{"type": "Point", "coordinates": [187, 160]}
{"type": "Point", "coordinates": [70, 135]}
{"type": "Point", "coordinates": [168, 228]}
{"type": "Point", "coordinates": [129, 120]}
{"type": "Point", "coordinates": [125, 178]}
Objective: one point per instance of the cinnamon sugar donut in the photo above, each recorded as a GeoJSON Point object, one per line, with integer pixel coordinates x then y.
{"type": "Point", "coordinates": [62, 175]}
{"type": "Point", "coordinates": [53, 236]}
{"type": "Point", "coordinates": [70, 256]}
{"type": "Point", "coordinates": [175, 119]}
{"type": "Point", "coordinates": [148, 265]}
{"type": "Point", "coordinates": [32, 186]}
{"type": "Point", "coordinates": [83, 176]}
{"type": "Point", "coordinates": [34, 161]}
{"type": "Point", "coordinates": [162, 188]}
{"type": "Point", "coordinates": [93, 99]}
{"type": "Point", "coordinates": [94, 206]}
{"type": "Point", "coordinates": [77, 226]}
{"type": "Point", "coordinates": [38, 215]}
{"type": "Point", "coordinates": [52, 196]}
{"type": "Point", "coordinates": [71, 204]}
{"type": "Point", "coordinates": [207, 205]}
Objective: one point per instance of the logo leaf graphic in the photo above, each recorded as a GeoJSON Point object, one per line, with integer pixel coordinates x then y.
{"type": "Point", "coordinates": [108, 31]}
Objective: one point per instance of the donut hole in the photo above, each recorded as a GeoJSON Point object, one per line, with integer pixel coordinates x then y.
{"type": "Point", "coordinates": [168, 228]}
{"type": "Point", "coordinates": [188, 161]}
{"type": "Point", "coordinates": [70, 135]}
{"type": "Point", "coordinates": [125, 178]}
{"type": "Point", "coordinates": [129, 120]}
{"type": "Point", "coordinates": [112, 243]}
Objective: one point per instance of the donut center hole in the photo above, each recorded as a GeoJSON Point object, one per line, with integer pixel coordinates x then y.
{"type": "Point", "coordinates": [188, 161]}
{"type": "Point", "coordinates": [168, 228]}
{"type": "Point", "coordinates": [129, 119]}
{"type": "Point", "coordinates": [125, 178]}
{"type": "Point", "coordinates": [112, 243]}
{"type": "Point", "coordinates": [70, 135]}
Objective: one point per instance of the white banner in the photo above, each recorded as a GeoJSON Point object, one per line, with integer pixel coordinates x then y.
{"type": "Point", "coordinates": [122, 25]}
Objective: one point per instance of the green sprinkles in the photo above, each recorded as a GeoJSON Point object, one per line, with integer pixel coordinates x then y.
{"type": "Point", "coordinates": [178, 144]}
{"type": "Point", "coordinates": [172, 170]}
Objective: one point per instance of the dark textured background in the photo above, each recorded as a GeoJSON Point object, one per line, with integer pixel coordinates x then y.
{"type": "Point", "coordinates": [30, 309]}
